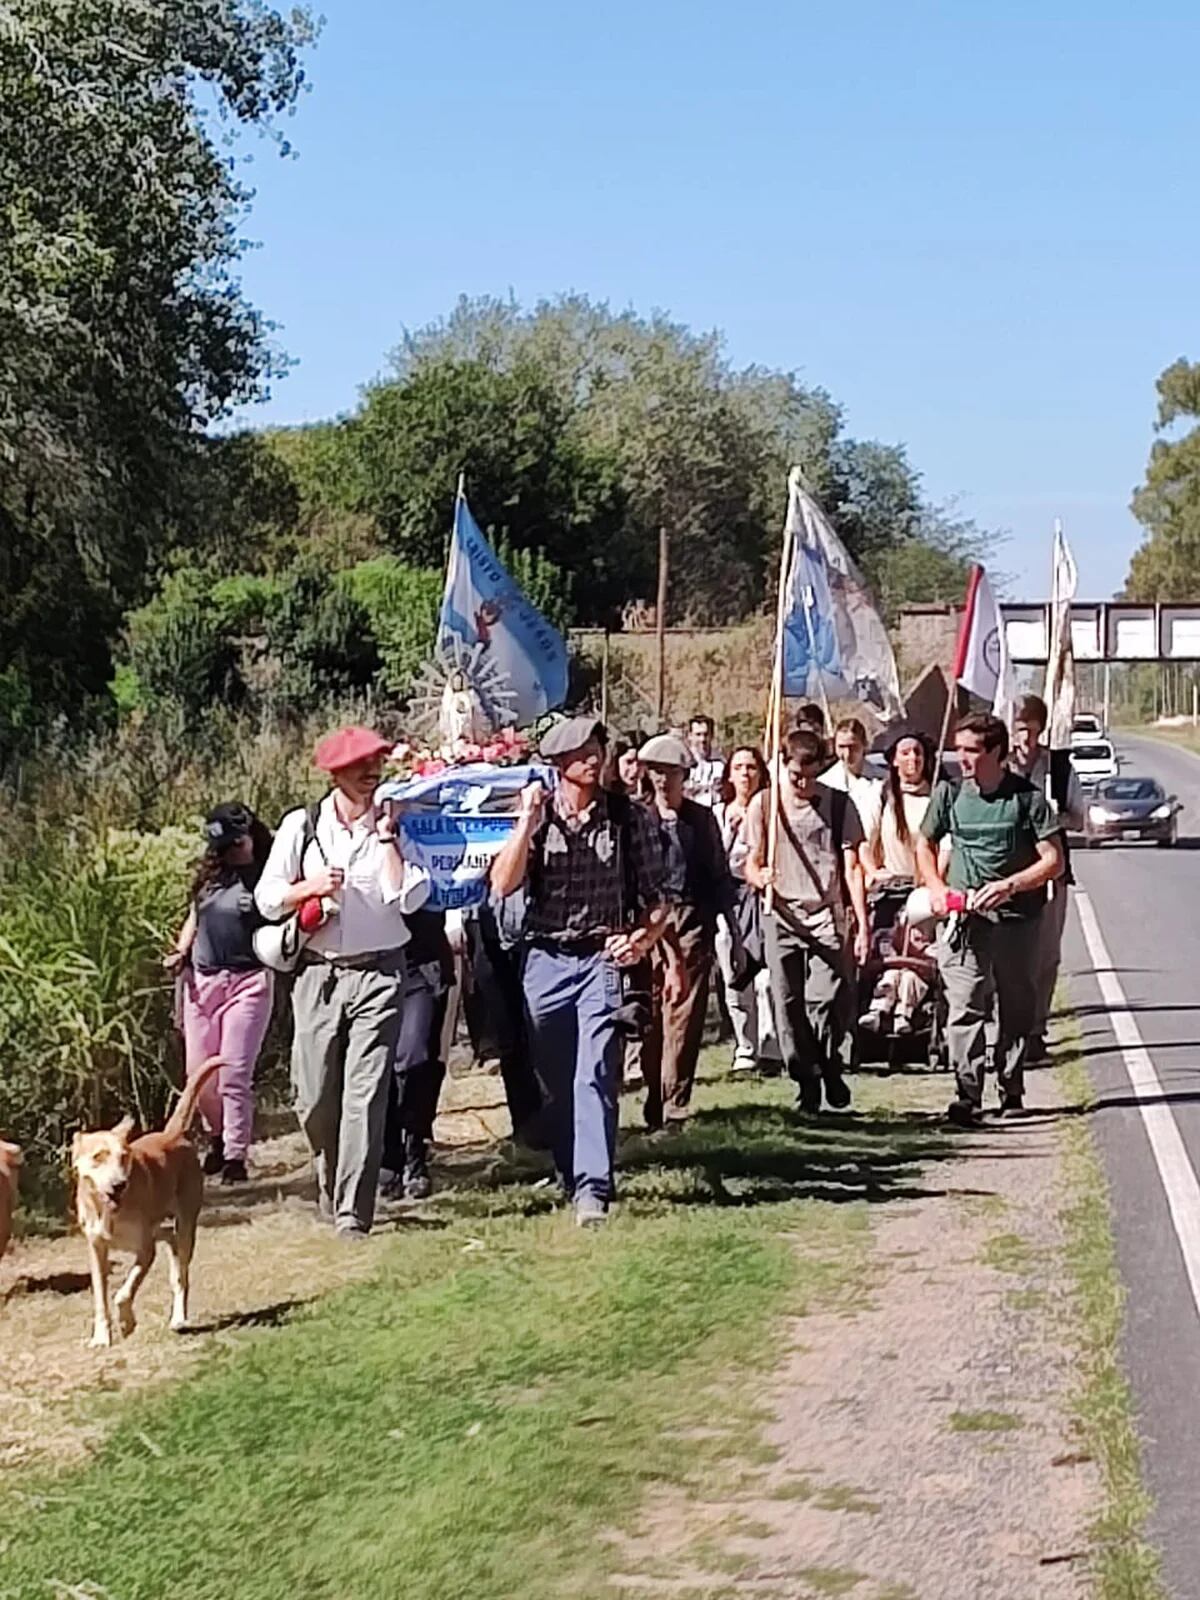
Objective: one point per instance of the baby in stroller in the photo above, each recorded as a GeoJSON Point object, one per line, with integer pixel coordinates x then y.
{"type": "Point", "coordinates": [905, 971]}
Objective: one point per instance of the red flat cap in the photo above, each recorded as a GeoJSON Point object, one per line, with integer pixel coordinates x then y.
{"type": "Point", "coordinates": [347, 746]}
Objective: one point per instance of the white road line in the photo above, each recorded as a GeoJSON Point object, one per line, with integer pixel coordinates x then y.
{"type": "Point", "coordinates": [1170, 1156]}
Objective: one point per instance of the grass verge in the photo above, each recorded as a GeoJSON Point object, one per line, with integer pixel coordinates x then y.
{"type": "Point", "coordinates": [475, 1419]}
{"type": "Point", "coordinates": [1127, 1566]}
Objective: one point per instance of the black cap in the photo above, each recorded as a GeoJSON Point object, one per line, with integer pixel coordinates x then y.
{"type": "Point", "coordinates": [226, 824]}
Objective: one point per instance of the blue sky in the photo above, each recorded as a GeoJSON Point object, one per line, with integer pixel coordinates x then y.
{"type": "Point", "coordinates": [978, 232]}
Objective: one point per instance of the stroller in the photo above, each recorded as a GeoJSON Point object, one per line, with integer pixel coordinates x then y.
{"type": "Point", "coordinates": [901, 1002]}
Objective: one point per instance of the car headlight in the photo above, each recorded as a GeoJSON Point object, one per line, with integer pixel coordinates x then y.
{"type": "Point", "coordinates": [1160, 814]}
{"type": "Point", "coordinates": [1100, 814]}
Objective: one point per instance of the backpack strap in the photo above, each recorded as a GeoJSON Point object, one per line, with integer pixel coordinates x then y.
{"type": "Point", "coordinates": [309, 836]}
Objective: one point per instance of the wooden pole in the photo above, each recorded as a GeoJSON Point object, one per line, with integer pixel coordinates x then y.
{"type": "Point", "coordinates": [664, 566]}
{"type": "Point", "coordinates": [773, 739]}
{"type": "Point", "coordinates": [604, 681]}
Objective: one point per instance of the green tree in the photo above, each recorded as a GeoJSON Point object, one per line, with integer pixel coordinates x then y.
{"type": "Point", "coordinates": [1166, 566]}
{"type": "Point", "coordinates": [123, 333]}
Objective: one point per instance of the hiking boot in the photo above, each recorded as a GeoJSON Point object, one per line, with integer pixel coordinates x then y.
{"type": "Point", "coordinates": [417, 1183]}
{"type": "Point", "coordinates": [963, 1114]}
{"type": "Point", "coordinates": [214, 1161]}
{"type": "Point", "coordinates": [837, 1093]}
{"type": "Point", "coordinates": [234, 1171]}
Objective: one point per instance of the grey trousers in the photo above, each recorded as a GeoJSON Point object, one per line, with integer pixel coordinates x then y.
{"type": "Point", "coordinates": [997, 958]}
{"type": "Point", "coordinates": [812, 999]}
{"type": "Point", "coordinates": [347, 1021]}
{"type": "Point", "coordinates": [1049, 952]}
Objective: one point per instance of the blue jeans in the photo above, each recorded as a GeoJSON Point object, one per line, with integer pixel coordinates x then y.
{"type": "Point", "coordinates": [570, 1001]}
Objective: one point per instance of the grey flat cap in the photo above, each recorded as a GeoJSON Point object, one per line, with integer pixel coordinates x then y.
{"type": "Point", "coordinates": [666, 750]}
{"type": "Point", "coordinates": [572, 733]}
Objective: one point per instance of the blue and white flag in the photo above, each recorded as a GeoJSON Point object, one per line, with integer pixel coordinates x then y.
{"type": "Point", "coordinates": [483, 607]}
{"type": "Point", "coordinates": [833, 637]}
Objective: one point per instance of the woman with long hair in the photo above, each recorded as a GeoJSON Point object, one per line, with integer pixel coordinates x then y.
{"type": "Point", "coordinates": [226, 991]}
{"type": "Point", "coordinates": [889, 858]}
{"type": "Point", "coordinates": [749, 1007]}
{"type": "Point", "coordinates": [623, 769]}
{"type": "Point", "coordinates": [890, 851]}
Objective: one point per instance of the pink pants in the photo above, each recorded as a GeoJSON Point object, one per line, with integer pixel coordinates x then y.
{"type": "Point", "coordinates": [226, 1014]}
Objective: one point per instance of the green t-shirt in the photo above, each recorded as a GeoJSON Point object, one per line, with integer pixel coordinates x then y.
{"type": "Point", "coordinates": [992, 835]}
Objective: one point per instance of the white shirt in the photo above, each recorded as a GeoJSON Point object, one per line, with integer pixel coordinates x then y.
{"type": "Point", "coordinates": [370, 914]}
{"type": "Point", "coordinates": [703, 781]}
{"type": "Point", "coordinates": [867, 793]}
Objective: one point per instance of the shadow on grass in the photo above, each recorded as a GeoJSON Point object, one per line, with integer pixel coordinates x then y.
{"type": "Point", "coordinates": [747, 1155]}
{"type": "Point", "coordinates": [50, 1283]}
{"type": "Point", "coordinates": [272, 1316]}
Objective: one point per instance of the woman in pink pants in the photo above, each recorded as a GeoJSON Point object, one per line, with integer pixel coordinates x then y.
{"type": "Point", "coordinates": [226, 991]}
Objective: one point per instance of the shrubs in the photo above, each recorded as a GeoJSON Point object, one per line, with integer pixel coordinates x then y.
{"type": "Point", "coordinates": [84, 1007]}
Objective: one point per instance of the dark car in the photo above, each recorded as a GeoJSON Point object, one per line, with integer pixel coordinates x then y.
{"type": "Point", "coordinates": [1131, 808]}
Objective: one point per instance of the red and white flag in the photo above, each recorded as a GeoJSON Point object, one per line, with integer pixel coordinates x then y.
{"type": "Point", "coordinates": [981, 661]}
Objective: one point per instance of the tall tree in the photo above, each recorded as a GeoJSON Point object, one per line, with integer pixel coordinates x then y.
{"type": "Point", "coordinates": [1167, 565]}
{"type": "Point", "coordinates": [122, 332]}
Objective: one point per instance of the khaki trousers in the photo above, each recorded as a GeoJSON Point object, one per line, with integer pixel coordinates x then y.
{"type": "Point", "coordinates": [671, 1048]}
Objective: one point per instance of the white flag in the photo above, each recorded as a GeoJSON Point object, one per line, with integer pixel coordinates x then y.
{"type": "Point", "coordinates": [1059, 692]}
{"type": "Point", "coordinates": [833, 637]}
{"type": "Point", "coordinates": [981, 661]}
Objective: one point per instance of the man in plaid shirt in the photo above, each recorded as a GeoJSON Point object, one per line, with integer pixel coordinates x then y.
{"type": "Point", "coordinates": [592, 867]}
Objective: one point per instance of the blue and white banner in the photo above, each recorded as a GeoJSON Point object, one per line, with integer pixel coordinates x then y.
{"type": "Point", "coordinates": [457, 849]}
{"type": "Point", "coordinates": [483, 606]}
{"type": "Point", "coordinates": [453, 823]}
{"type": "Point", "coordinates": [833, 637]}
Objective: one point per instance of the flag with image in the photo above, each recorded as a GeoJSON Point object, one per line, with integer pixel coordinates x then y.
{"type": "Point", "coordinates": [981, 663]}
{"type": "Point", "coordinates": [486, 610]}
{"type": "Point", "coordinates": [1059, 692]}
{"type": "Point", "coordinates": [834, 640]}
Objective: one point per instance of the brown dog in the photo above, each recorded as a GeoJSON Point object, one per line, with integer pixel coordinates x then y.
{"type": "Point", "coordinates": [125, 1190]}
{"type": "Point", "coordinates": [10, 1160]}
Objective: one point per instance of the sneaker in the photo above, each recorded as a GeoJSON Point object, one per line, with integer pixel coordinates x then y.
{"type": "Point", "coordinates": [590, 1211]}
{"type": "Point", "coordinates": [351, 1233]}
{"type": "Point", "coordinates": [902, 1025]}
{"type": "Point", "coordinates": [1010, 1102]}
{"type": "Point", "coordinates": [1036, 1052]}
{"type": "Point", "coordinates": [837, 1092]}
{"type": "Point", "coordinates": [871, 1021]}
{"type": "Point", "coordinates": [417, 1185]}
{"type": "Point", "coordinates": [963, 1114]}
{"type": "Point", "coordinates": [234, 1171]}
{"type": "Point", "coordinates": [214, 1161]}
{"type": "Point", "coordinates": [743, 1064]}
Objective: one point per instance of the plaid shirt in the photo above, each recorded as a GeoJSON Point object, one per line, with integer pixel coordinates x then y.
{"type": "Point", "coordinates": [580, 884]}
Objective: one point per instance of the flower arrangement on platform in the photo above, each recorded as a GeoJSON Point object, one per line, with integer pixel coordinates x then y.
{"type": "Point", "coordinates": [507, 747]}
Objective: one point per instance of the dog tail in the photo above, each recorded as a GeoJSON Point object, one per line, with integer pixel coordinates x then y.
{"type": "Point", "coordinates": [181, 1118]}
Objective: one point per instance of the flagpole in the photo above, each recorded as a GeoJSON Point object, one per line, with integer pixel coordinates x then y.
{"type": "Point", "coordinates": [964, 630]}
{"type": "Point", "coordinates": [775, 707]}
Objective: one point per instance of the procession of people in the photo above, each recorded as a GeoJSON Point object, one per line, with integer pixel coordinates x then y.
{"type": "Point", "coordinates": [819, 904]}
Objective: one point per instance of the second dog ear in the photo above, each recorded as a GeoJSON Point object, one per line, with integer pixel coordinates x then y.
{"type": "Point", "coordinates": [124, 1128]}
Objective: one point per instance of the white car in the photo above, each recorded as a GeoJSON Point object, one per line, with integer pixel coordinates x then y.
{"type": "Point", "coordinates": [1086, 727]}
{"type": "Point", "coordinates": [1095, 762]}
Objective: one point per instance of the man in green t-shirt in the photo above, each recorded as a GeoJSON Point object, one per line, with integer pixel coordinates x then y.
{"type": "Point", "coordinates": [1005, 847]}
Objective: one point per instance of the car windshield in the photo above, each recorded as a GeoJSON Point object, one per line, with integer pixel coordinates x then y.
{"type": "Point", "coordinates": [1093, 752]}
{"type": "Point", "coordinates": [1130, 789]}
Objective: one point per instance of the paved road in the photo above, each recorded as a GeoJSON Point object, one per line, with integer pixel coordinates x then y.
{"type": "Point", "coordinates": [1147, 907]}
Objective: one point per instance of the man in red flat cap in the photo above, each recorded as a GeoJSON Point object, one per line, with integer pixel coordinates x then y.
{"type": "Point", "coordinates": [347, 996]}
